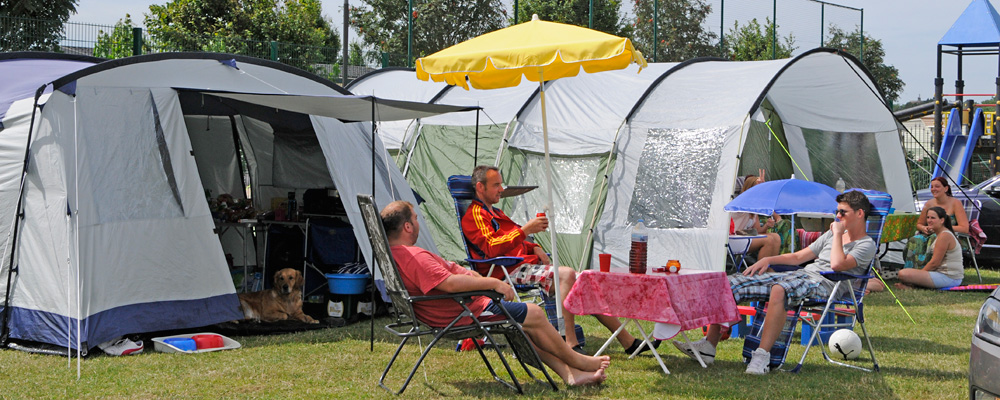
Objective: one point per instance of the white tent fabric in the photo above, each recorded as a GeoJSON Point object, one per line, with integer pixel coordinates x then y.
{"type": "Point", "coordinates": [397, 82]}
{"type": "Point", "coordinates": [584, 111]}
{"type": "Point", "coordinates": [679, 135]}
{"type": "Point", "coordinates": [117, 237]}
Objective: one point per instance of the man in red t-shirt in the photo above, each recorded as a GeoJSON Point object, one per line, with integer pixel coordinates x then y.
{"type": "Point", "coordinates": [492, 234]}
{"type": "Point", "coordinates": [424, 273]}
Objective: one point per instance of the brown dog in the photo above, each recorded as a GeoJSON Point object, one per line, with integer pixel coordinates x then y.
{"type": "Point", "coordinates": [281, 302]}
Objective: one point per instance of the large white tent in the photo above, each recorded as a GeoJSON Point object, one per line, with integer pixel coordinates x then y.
{"type": "Point", "coordinates": [664, 145]}
{"type": "Point", "coordinates": [116, 236]}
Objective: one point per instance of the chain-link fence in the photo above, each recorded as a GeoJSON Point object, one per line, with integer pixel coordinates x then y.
{"type": "Point", "coordinates": [920, 156]}
{"type": "Point", "coordinates": [117, 41]}
{"type": "Point", "coordinates": [808, 22]}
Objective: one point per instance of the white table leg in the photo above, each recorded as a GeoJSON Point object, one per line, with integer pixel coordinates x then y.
{"type": "Point", "coordinates": [647, 342]}
{"type": "Point", "coordinates": [612, 338]}
{"type": "Point", "coordinates": [697, 354]}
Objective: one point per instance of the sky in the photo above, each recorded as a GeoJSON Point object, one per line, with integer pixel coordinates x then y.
{"type": "Point", "coordinates": [909, 31]}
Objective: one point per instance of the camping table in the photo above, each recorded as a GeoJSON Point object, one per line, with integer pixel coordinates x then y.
{"type": "Point", "coordinates": [898, 226]}
{"type": "Point", "coordinates": [244, 228]}
{"type": "Point", "coordinates": [676, 302]}
{"type": "Point", "coordinates": [740, 245]}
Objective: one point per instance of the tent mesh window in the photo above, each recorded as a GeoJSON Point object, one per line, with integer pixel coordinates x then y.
{"type": "Point", "coordinates": [573, 178]}
{"type": "Point", "coordinates": [676, 174]}
{"type": "Point", "coordinates": [826, 155]}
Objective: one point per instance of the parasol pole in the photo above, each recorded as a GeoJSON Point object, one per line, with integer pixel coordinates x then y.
{"type": "Point", "coordinates": [548, 206]}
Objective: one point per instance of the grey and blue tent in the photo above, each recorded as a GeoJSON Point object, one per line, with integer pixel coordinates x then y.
{"type": "Point", "coordinates": [114, 234]}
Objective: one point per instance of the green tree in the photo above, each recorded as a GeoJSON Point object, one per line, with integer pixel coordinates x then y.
{"type": "Point", "coordinates": [750, 43]}
{"type": "Point", "coordinates": [32, 24]}
{"type": "Point", "coordinates": [437, 24]}
{"type": "Point", "coordinates": [246, 27]}
{"type": "Point", "coordinates": [886, 76]}
{"type": "Point", "coordinates": [607, 15]}
{"type": "Point", "coordinates": [680, 30]}
{"type": "Point", "coordinates": [117, 43]}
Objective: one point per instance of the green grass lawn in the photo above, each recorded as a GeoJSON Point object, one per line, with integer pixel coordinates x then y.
{"type": "Point", "coordinates": [926, 360]}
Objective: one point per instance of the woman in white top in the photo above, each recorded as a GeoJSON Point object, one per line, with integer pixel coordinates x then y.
{"type": "Point", "coordinates": [945, 267]}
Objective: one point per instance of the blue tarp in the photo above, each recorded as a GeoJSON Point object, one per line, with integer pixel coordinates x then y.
{"type": "Point", "coordinates": [978, 26]}
{"type": "Point", "coordinates": [20, 78]}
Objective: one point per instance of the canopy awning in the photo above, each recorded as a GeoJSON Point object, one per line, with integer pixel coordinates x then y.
{"type": "Point", "coordinates": [347, 108]}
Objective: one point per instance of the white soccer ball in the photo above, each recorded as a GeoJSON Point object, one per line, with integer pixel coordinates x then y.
{"type": "Point", "coordinates": [845, 344]}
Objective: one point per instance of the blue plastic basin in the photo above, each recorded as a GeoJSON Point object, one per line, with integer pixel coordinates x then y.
{"type": "Point", "coordinates": [347, 283]}
{"type": "Point", "coordinates": [185, 344]}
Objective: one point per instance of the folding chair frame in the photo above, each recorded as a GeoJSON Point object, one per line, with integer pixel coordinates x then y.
{"type": "Point", "coordinates": [460, 193]}
{"type": "Point", "coordinates": [855, 310]}
{"type": "Point", "coordinates": [972, 211]}
{"type": "Point", "coordinates": [408, 325]}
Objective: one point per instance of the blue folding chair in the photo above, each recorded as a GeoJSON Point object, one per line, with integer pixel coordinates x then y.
{"type": "Point", "coordinates": [462, 190]}
{"type": "Point", "coordinates": [834, 313]}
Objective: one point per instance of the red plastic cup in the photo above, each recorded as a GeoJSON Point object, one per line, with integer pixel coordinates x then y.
{"type": "Point", "coordinates": [539, 215]}
{"type": "Point", "coordinates": [605, 259]}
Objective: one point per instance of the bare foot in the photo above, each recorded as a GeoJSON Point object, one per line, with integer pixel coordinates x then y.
{"type": "Point", "coordinates": [588, 363]}
{"type": "Point", "coordinates": [580, 378]}
{"type": "Point", "coordinates": [902, 286]}
{"type": "Point", "coordinates": [874, 286]}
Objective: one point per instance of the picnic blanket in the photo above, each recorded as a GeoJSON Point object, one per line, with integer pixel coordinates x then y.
{"type": "Point", "coordinates": [972, 288]}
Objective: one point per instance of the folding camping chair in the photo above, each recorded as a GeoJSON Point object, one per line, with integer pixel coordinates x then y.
{"type": "Point", "coordinates": [972, 207]}
{"type": "Point", "coordinates": [409, 325]}
{"type": "Point", "coordinates": [834, 313]}
{"type": "Point", "coordinates": [463, 192]}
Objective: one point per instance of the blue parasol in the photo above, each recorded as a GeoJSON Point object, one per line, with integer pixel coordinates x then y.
{"type": "Point", "coordinates": [786, 196]}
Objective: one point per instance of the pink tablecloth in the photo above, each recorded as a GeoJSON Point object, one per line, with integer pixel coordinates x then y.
{"type": "Point", "coordinates": [691, 299]}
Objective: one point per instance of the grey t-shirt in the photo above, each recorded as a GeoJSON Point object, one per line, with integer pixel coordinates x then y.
{"type": "Point", "coordinates": [863, 251]}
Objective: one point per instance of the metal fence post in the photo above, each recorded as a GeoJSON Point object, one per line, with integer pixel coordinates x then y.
{"type": "Point", "coordinates": [274, 51]}
{"type": "Point", "coordinates": [136, 41]}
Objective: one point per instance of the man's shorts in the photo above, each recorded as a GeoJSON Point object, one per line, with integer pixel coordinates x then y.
{"type": "Point", "coordinates": [518, 311]}
{"type": "Point", "coordinates": [799, 285]}
{"type": "Point", "coordinates": [533, 274]}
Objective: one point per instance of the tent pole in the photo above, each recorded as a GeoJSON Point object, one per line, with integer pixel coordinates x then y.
{"type": "Point", "coordinates": [371, 327]}
{"type": "Point", "coordinates": [4, 327]}
{"type": "Point", "coordinates": [584, 258]}
{"type": "Point", "coordinates": [76, 237]}
{"type": "Point", "coordinates": [549, 209]}
{"type": "Point", "coordinates": [475, 152]}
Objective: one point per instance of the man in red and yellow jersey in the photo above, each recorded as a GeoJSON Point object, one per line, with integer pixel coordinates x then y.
{"type": "Point", "coordinates": [491, 233]}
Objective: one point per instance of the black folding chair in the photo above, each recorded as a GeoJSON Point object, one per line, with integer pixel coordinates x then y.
{"type": "Point", "coordinates": [409, 325]}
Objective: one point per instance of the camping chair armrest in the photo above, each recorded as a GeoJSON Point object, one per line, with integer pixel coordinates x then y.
{"type": "Point", "coordinates": [501, 261]}
{"type": "Point", "coordinates": [784, 268]}
{"type": "Point", "coordinates": [496, 296]}
{"type": "Point", "coordinates": [961, 235]}
{"type": "Point", "coordinates": [843, 276]}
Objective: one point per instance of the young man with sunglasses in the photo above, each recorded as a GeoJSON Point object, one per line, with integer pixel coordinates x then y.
{"type": "Point", "coordinates": [846, 247]}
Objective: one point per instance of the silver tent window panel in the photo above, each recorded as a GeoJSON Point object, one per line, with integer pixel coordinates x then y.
{"type": "Point", "coordinates": [676, 174]}
{"type": "Point", "coordinates": [573, 187]}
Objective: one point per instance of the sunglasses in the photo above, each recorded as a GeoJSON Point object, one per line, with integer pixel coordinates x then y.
{"type": "Point", "coordinates": [842, 212]}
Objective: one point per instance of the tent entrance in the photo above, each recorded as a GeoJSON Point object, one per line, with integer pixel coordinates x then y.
{"type": "Point", "coordinates": [260, 156]}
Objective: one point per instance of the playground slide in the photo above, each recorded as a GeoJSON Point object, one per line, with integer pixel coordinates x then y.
{"type": "Point", "coordinates": [956, 148]}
